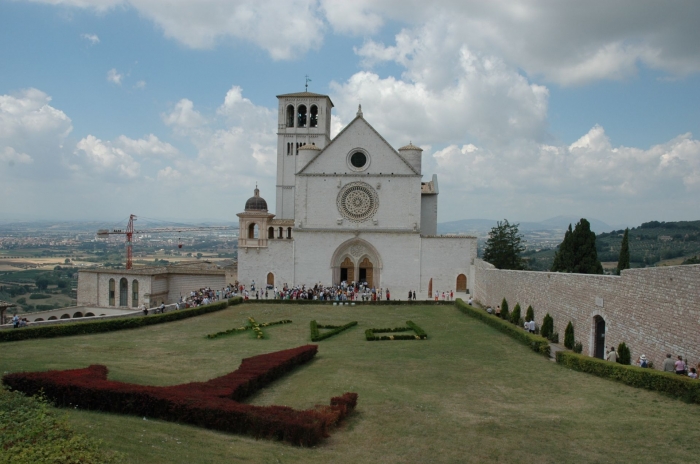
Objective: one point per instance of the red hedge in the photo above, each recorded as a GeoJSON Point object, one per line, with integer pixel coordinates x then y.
{"type": "Point", "coordinates": [214, 404]}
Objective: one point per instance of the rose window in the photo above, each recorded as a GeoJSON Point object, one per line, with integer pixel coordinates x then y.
{"type": "Point", "coordinates": [357, 202]}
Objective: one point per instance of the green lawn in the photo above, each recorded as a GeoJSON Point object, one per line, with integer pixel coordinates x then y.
{"type": "Point", "coordinates": [467, 394]}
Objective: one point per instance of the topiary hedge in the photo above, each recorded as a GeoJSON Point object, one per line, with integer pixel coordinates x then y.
{"type": "Point", "coordinates": [419, 334]}
{"type": "Point", "coordinates": [111, 325]}
{"type": "Point", "coordinates": [678, 386]}
{"type": "Point", "coordinates": [317, 336]}
{"type": "Point", "coordinates": [535, 342]}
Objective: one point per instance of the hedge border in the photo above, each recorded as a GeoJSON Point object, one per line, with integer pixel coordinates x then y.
{"type": "Point", "coordinates": [419, 333]}
{"type": "Point", "coordinates": [111, 325]}
{"type": "Point", "coordinates": [342, 303]}
{"type": "Point", "coordinates": [672, 384]}
{"type": "Point", "coordinates": [213, 404]}
{"type": "Point", "coordinates": [535, 342]}
{"type": "Point", "coordinates": [316, 336]}
{"type": "Point", "coordinates": [252, 325]}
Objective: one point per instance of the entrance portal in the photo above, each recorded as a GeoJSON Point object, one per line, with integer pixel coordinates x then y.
{"type": "Point", "coordinates": [461, 283]}
{"type": "Point", "coordinates": [270, 279]}
{"type": "Point", "coordinates": [599, 337]}
{"type": "Point", "coordinates": [367, 272]}
{"type": "Point", "coordinates": [347, 270]}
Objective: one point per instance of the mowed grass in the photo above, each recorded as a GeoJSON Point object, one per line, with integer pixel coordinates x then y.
{"type": "Point", "coordinates": [467, 394]}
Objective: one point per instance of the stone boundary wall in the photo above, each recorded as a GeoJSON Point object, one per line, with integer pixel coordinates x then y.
{"type": "Point", "coordinates": [653, 310]}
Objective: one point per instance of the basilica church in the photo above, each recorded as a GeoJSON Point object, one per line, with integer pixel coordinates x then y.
{"type": "Point", "coordinates": [351, 208]}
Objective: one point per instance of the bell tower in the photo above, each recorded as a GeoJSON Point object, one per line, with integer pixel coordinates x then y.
{"type": "Point", "coordinates": [303, 118]}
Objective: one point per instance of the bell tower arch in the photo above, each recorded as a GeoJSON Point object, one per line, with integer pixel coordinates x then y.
{"type": "Point", "coordinates": [303, 118]}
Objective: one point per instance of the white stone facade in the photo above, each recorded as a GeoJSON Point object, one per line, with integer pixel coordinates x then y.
{"type": "Point", "coordinates": [352, 208]}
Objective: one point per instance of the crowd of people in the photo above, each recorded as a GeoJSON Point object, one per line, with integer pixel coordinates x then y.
{"type": "Point", "coordinates": [354, 291]}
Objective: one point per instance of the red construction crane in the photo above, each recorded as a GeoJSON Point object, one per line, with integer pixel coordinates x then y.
{"type": "Point", "coordinates": [129, 232]}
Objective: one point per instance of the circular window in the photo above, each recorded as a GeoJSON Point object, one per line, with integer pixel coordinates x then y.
{"type": "Point", "coordinates": [358, 159]}
{"type": "Point", "coordinates": [357, 202]}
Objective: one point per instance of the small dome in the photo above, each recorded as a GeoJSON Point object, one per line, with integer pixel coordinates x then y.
{"type": "Point", "coordinates": [410, 146]}
{"type": "Point", "coordinates": [256, 202]}
{"type": "Point", "coordinates": [309, 147]}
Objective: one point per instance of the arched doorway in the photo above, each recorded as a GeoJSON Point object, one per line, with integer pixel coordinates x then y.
{"type": "Point", "coordinates": [599, 337]}
{"type": "Point", "coordinates": [253, 230]}
{"type": "Point", "coordinates": [78, 314]}
{"type": "Point", "coordinates": [461, 283]}
{"type": "Point", "coordinates": [347, 270]}
{"type": "Point", "coordinates": [366, 271]}
{"type": "Point", "coordinates": [270, 279]}
{"type": "Point", "coordinates": [430, 288]}
{"type": "Point", "coordinates": [123, 292]}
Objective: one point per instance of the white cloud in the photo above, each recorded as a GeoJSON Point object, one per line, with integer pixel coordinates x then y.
{"type": "Point", "coordinates": [10, 156]}
{"type": "Point", "coordinates": [140, 85]}
{"type": "Point", "coordinates": [107, 159]}
{"type": "Point", "coordinates": [114, 77]}
{"type": "Point", "coordinates": [150, 146]}
{"type": "Point", "coordinates": [92, 38]}
{"type": "Point", "coordinates": [184, 116]}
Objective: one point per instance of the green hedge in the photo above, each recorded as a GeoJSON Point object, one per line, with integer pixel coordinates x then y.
{"type": "Point", "coordinates": [317, 336]}
{"type": "Point", "coordinates": [535, 342]}
{"type": "Point", "coordinates": [341, 303]}
{"type": "Point", "coordinates": [110, 325]}
{"type": "Point", "coordinates": [678, 386]}
{"type": "Point", "coordinates": [419, 333]}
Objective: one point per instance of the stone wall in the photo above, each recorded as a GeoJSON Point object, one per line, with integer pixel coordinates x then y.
{"type": "Point", "coordinates": [653, 310]}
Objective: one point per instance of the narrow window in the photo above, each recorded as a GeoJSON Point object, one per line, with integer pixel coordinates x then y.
{"type": "Point", "coordinates": [253, 230]}
{"type": "Point", "coordinates": [301, 116]}
{"type": "Point", "coordinates": [111, 292]}
{"type": "Point", "coordinates": [135, 293]}
{"type": "Point", "coordinates": [289, 232]}
{"type": "Point", "coordinates": [271, 232]}
{"type": "Point", "coordinates": [281, 233]}
{"type": "Point", "coordinates": [123, 292]}
{"type": "Point", "coordinates": [313, 119]}
{"type": "Point", "coordinates": [290, 116]}
{"type": "Point", "coordinates": [289, 148]}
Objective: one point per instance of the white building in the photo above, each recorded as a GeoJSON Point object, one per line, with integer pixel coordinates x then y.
{"type": "Point", "coordinates": [348, 209]}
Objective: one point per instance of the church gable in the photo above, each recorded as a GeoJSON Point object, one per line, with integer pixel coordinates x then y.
{"type": "Point", "coordinates": [358, 149]}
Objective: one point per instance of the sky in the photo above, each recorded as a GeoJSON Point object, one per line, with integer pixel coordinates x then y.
{"type": "Point", "coordinates": [525, 109]}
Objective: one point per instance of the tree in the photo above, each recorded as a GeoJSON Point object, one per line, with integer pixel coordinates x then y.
{"type": "Point", "coordinates": [504, 309]}
{"type": "Point", "coordinates": [41, 283]}
{"type": "Point", "coordinates": [623, 354]}
{"type": "Point", "coordinates": [515, 315]}
{"type": "Point", "coordinates": [569, 336]}
{"type": "Point", "coordinates": [547, 328]}
{"type": "Point", "coordinates": [504, 246]}
{"type": "Point", "coordinates": [577, 253]}
{"type": "Point", "coordinates": [530, 314]}
{"type": "Point", "coordinates": [624, 261]}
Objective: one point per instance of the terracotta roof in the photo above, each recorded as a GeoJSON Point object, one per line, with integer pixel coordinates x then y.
{"type": "Point", "coordinates": [410, 146]}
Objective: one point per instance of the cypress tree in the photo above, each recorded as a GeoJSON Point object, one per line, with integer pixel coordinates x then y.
{"type": "Point", "coordinates": [515, 315]}
{"type": "Point", "coordinates": [504, 309]}
{"type": "Point", "coordinates": [624, 261]}
{"type": "Point", "coordinates": [623, 354]}
{"type": "Point", "coordinates": [530, 314]}
{"type": "Point", "coordinates": [547, 326]}
{"type": "Point", "coordinates": [577, 253]}
{"type": "Point", "coordinates": [569, 336]}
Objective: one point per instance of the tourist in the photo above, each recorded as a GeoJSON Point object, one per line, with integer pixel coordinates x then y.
{"type": "Point", "coordinates": [388, 295]}
{"type": "Point", "coordinates": [679, 366]}
{"type": "Point", "coordinates": [532, 326]}
{"type": "Point", "coordinates": [643, 361]}
{"type": "Point", "coordinates": [489, 310]}
{"type": "Point", "coordinates": [414, 295]}
{"type": "Point", "coordinates": [161, 308]}
{"type": "Point", "coordinates": [498, 310]}
{"type": "Point", "coordinates": [612, 355]}
{"type": "Point", "coordinates": [668, 364]}
{"type": "Point", "coordinates": [145, 310]}
{"type": "Point", "coordinates": [693, 374]}
{"type": "Point", "coordinates": [470, 301]}
{"type": "Point", "coordinates": [526, 326]}
{"type": "Point", "coordinates": [452, 295]}
{"type": "Point", "coordinates": [15, 321]}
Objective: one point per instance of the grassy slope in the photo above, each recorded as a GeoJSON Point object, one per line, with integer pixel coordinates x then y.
{"type": "Point", "coordinates": [467, 394]}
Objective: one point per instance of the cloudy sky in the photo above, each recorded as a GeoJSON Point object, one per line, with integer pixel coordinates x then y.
{"type": "Point", "coordinates": [525, 109]}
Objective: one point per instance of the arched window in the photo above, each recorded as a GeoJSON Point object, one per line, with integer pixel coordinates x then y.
{"type": "Point", "coordinates": [78, 314]}
{"type": "Point", "coordinates": [270, 279]}
{"type": "Point", "coordinates": [38, 319]}
{"type": "Point", "coordinates": [313, 116]}
{"type": "Point", "coordinates": [135, 293]}
{"type": "Point", "coordinates": [65, 316]}
{"type": "Point", "coordinates": [123, 292]}
{"type": "Point", "coordinates": [271, 232]}
{"type": "Point", "coordinates": [89, 315]}
{"type": "Point", "coordinates": [289, 232]}
{"type": "Point", "coordinates": [281, 233]}
{"type": "Point", "coordinates": [253, 230]}
{"type": "Point", "coordinates": [301, 116]}
{"type": "Point", "coordinates": [111, 292]}
{"type": "Point", "coordinates": [290, 116]}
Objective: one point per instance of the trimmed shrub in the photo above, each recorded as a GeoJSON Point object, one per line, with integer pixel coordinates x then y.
{"type": "Point", "coordinates": [515, 315]}
{"type": "Point", "coordinates": [569, 336]}
{"type": "Point", "coordinates": [316, 336]}
{"type": "Point", "coordinates": [252, 325]}
{"type": "Point", "coordinates": [214, 404]}
{"type": "Point", "coordinates": [578, 347]}
{"type": "Point", "coordinates": [623, 354]}
{"type": "Point", "coordinates": [536, 343]}
{"type": "Point", "coordinates": [530, 314]}
{"type": "Point", "coordinates": [504, 309]}
{"type": "Point", "coordinates": [547, 326]}
{"type": "Point", "coordinates": [678, 386]}
{"type": "Point", "coordinates": [419, 334]}
{"type": "Point", "coordinates": [110, 325]}
{"type": "Point", "coordinates": [554, 338]}
{"type": "Point", "coordinates": [38, 296]}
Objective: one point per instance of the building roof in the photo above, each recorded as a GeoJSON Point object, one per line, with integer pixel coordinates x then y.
{"type": "Point", "coordinates": [256, 202]}
{"type": "Point", "coordinates": [410, 146]}
{"type": "Point", "coordinates": [305, 94]}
